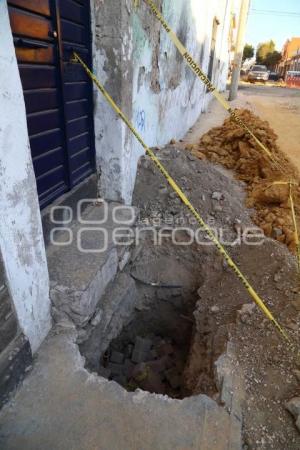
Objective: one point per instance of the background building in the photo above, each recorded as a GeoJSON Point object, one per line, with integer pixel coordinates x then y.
{"type": "Point", "coordinates": [290, 56]}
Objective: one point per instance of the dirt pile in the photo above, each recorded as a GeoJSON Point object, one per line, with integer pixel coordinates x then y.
{"type": "Point", "coordinates": [232, 147]}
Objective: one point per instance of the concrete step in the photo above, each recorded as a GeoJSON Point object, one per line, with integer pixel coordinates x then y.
{"type": "Point", "coordinates": [8, 330]}
{"type": "Point", "coordinates": [14, 360]}
{"type": "Point", "coordinates": [85, 258]}
{"type": "Point", "coordinates": [8, 320]}
{"type": "Point", "coordinates": [5, 305]}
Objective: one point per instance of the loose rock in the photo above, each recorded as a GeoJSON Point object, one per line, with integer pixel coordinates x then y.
{"type": "Point", "coordinates": [293, 406]}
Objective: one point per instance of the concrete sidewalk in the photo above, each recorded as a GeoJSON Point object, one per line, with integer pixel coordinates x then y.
{"type": "Point", "coordinates": [62, 406]}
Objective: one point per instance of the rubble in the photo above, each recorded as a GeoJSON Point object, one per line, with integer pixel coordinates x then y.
{"type": "Point", "coordinates": [141, 349]}
{"type": "Point", "coordinates": [232, 147]}
{"type": "Point", "coordinates": [298, 424]}
{"type": "Point", "coordinates": [293, 406]}
{"type": "Point", "coordinates": [117, 357]}
{"type": "Point", "coordinates": [217, 196]}
{"type": "Point", "coordinates": [247, 309]}
{"type": "Point", "coordinates": [153, 366]}
{"type": "Point", "coordinates": [296, 304]}
{"type": "Point", "coordinates": [297, 374]}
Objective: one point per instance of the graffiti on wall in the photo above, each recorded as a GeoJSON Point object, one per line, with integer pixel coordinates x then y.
{"type": "Point", "coordinates": [141, 120]}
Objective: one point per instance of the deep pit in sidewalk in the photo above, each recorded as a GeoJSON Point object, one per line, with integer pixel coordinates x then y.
{"type": "Point", "coordinates": [264, 366]}
{"type": "Point", "coordinates": [151, 352]}
{"type": "Point", "coordinates": [152, 341]}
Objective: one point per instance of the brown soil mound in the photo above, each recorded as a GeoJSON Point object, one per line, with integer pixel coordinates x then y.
{"type": "Point", "coordinates": [232, 147]}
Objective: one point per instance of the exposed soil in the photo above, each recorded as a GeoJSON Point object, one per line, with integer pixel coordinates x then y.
{"type": "Point", "coordinates": [232, 147]}
{"type": "Point", "coordinates": [191, 306]}
{"type": "Point", "coordinates": [224, 312]}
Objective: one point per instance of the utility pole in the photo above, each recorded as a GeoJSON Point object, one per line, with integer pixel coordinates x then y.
{"type": "Point", "coordinates": [239, 48]}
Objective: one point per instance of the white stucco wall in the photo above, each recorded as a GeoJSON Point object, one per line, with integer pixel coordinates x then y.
{"type": "Point", "coordinates": [158, 114]}
{"type": "Point", "coordinates": [170, 113]}
{"type": "Point", "coordinates": [21, 237]}
{"type": "Point", "coordinates": [160, 117]}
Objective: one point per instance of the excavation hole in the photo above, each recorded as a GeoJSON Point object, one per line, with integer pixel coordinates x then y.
{"type": "Point", "coordinates": [151, 352]}
{"type": "Point", "coordinates": [147, 337]}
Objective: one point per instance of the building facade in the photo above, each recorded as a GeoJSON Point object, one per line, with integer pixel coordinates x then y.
{"type": "Point", "coordinates": [290, 56]}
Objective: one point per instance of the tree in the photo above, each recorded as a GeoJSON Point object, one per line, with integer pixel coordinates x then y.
{"type": "Point", "coordinates": [248, 52]}
{"type": "Point", "coordinates": [272, 59]}
{"type": "Point", "coordinates": [263, 50]}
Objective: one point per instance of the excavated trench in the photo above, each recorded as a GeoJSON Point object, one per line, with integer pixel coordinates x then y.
{"type": "Point", "coordinates": [165, 338]}
{"type": "Point", "coordinates": [151, 341]}
{"type": "Point", "coordinates": [151, 352]}
{"type": "Point", "coordinates": [168, 333]}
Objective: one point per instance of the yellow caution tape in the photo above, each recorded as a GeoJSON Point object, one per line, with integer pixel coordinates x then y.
{"type": "Point", "coordinates": [211, 88]}
{"type": "Point", "coordinates": [282, 183]}
{"type": "Point", "coordinates": [200, 74]}
{"type": "Point", "coordinates": [185, 200]}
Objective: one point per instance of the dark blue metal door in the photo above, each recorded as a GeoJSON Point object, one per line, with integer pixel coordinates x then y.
{"type": "Point", "coordinates": [58, 95]}
{"type": "Point", "coordinates": [74, 30]}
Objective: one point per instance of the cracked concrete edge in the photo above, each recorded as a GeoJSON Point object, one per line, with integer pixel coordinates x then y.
{"type": "Point", "coordinates": [232, 391]}
{"type": "Point", "coordinates": [80, 306]}
{"type": "Point", "coordinates": [211, 417]}
{"type": "Point", "coordinates": [113, 313]}
{"type": "Point", "coordinates": [109, 415]}
{"type": "Point", "coordinates": [208, 409]}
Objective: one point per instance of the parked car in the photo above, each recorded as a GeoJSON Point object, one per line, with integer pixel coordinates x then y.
{"type": "Point", "coordinates": [258, 73]}
{"type": "Point", "coordinates": [274, 76]}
